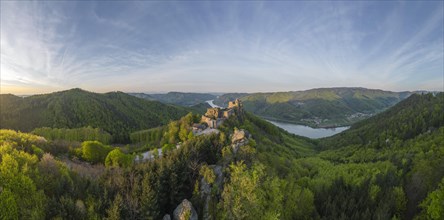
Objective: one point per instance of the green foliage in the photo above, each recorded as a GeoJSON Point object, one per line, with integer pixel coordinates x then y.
{"type": "Point", "coordinates": [250, 194]}
{"type": "Point", "coordinates": [173, 133]}
{"type": "Point", "coordinates": [117, 113]}
{"type": "Point", "coordinates": [20, 197]}
{"type": "Point", "coordinates": [94, 151]}
{"type": "Point", "coordinates": [273, 146]}
{"type": "Point", "coordinates": [151, 136]}
{"type": "Point", "coordinates": [168, 147]}
{"type": "Point", "coordinates": [36, 150]}
{"type": "Point", "coordinates": [115, 209]}
{"type": "Point", "coordinates": [433, 205]}
{"type": "Point", "coordinates": [407, 136]}
{"type": "Point", "coordinates": [240, 198]}
{"type": "Point", "coordinates": [411, 117]}
{"type": "Point", "coordinates": [21, 141]}
{"type": "Point", "coordinates": [207, 174]}
{"type": "Point", "coordinates": [8, 205]}
{"type": "Point", "coordinates": [56, 179]}
{"type": "Point", "coordinates": [400, 200]}
{"type": "Point", "coordinates": [275, 175]}
{"type": "Point", "coordinates": [116, 158]}
{"type": "Point", "coordinates": [200, 108]}
{"type": "Point", "coordinates": [298, 202]}
{"type": "Point", "coordinates": [75, 134]}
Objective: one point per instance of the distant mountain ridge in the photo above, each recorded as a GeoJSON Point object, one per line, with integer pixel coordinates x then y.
{"type": "Point", "coordinates": [116, 112]}
{"type": "Point", "coordinates": [323, 107]}
{"type": "Point", "coordinates": [178, 98]}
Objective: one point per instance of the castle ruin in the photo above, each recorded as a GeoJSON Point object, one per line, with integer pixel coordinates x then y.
{"type": "Point", "coordinates": [214, 117]}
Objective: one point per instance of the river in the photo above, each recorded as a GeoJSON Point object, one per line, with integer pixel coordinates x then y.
{"type": "Point", "coordinates": [307, 131]}
{"type": "Point", "coordinates": [210, 102]}
{"type": "Point", "coordinates": [301, 130]}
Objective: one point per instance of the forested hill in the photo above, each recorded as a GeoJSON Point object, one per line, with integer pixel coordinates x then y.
{"type": "Point", "coordinates": [408, 137]}
{"type": "Point", "coordinates": [115, 112]}
{"type": "Point", "coordinates": [178, 98]}
{"type": "Point", "coordinates": [413, 116]}
{"type": "Point", "coordinates": [247, 169]}
{"type": "Point", "coordinates": [319, 107]}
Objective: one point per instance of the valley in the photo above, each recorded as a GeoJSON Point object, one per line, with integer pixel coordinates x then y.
{"type": "Point", "coordinates": [319, 108]}
{"type": "Point", "coordinates": [316, 108]}
{"type": "Point", "coordinates": [221, 110]}
{"type": "Point", "coordinates": [376, 162]}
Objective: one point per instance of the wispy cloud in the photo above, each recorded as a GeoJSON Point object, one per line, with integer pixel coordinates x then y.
{"type": "Point", "coordinates": [221, 46]}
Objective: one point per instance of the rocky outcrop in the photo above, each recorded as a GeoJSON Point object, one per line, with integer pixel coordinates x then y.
{"type": "Point", "coordinates": [238, 135]}
{"type": "Point", "coordinates": [239, 138]}
{"type": "Point", "coordinates": [185, 211]}
{"type": "Point", "coordinates": [206, 188]}
{"type": "Point", "coordinates": [166, 217]}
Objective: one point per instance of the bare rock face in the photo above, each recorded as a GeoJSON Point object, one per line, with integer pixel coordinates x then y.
{"type": "Point", "coordinates": [166, 217]}
{"type": "Point", "coordinates": [205, 189]}
{"type": "Point", "coordinates": [239, 138]}
{"type": "Point", "coordinates": [185, 211]}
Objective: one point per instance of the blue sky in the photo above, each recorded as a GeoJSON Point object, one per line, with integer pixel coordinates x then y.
{"type": "Point", "coordinates": [231, 46]}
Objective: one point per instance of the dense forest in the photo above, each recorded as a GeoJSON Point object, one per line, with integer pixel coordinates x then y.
{"type": "Point", "coordinates": [416, 115]}
{"type": "Point", "coordinates": [116, 113]}
{"type": "Point", "coordinates": [74, 134]}
{"type": "Point", "coordinates": [322, 107]}
{"type": "Point", "coordinates": [390, 166]}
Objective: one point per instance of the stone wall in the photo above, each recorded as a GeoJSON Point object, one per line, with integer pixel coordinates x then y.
{"type": "Point", "coordinates": [214, 117]}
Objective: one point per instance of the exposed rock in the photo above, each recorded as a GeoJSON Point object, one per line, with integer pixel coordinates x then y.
{"type": "Point", "coordinates": [166, 217]}
{"type": "Point", "coordinates": [185, 211]}
{"type": "Point", "coordinates": [239, 138]}
{"type": "Point", "coordinates": [80, 205]}
{"type": "Point", "coordinates": [219, 175]}
{"type": "Point", "coordinates": [41, 140]}
{"type": "Point", "coordinates": [205, 189]}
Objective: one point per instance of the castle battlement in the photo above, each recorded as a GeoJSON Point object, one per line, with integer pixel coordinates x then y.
{"type": "Point", "coordinates": [214, 117]}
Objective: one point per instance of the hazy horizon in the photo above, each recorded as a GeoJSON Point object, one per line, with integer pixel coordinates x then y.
{"type": "Point", "coordinates": [220, 47]}
{"type": "Point", "coordinates": [214, 93]}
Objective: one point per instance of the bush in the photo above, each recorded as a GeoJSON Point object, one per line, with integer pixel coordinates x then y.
{"type": "Point", "coordinates": [116, 158]}
{"type": "Point", "coordinates": [94, 151]}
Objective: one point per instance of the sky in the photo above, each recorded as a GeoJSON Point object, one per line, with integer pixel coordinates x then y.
{"type": "Point", "coordinates": [224, 46]}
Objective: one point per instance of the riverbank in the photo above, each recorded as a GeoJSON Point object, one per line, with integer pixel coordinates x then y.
{"type": "Point", "coordinates": [307, 131]}
{"type": "Point", "coordinates": [331, 124]}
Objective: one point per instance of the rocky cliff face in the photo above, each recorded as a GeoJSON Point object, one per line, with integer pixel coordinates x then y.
{"type": "Point", "coordinates": [208, 190]}
{"type": "Point", "coordinates": [239, 138]}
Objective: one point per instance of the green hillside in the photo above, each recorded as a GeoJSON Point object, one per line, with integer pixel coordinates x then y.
{"type": "Point", "coordinates": [249, 169]}
{"type": "Point", "coordinates": [200, 108]}
{"type": "Point", "coordinates": [413, 116]}
{"type": "Point", "coordinates": [409, 137]}
{"type": "Point", "coordinates": [319, 107]}
{"type": "Point", "coordinates": [60, 186]}
{"type": "Point", "coordinates": [115, 112]}
{"type": "Point", "coordinates": [178, 98]}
